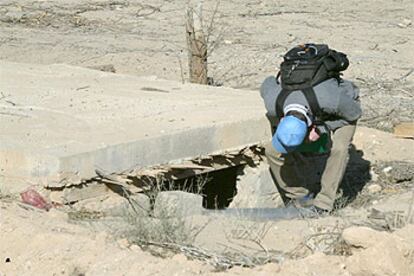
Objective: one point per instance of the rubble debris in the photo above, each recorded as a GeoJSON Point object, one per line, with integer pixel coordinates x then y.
{"type": "Point", "coordinates": [145, 180]}
{"type": "Point", "coordinates": [82, 192]}
{"type": "Point", "coordinates": [397, 171]}
{"type": "Point", "coordinates": [405, 23]}
{"type": "Point", "coordinates": [374, 188]}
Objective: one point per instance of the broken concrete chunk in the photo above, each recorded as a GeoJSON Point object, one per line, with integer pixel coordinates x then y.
{"type": "Point", "coordinates": [385, 258]}
{"type": "Point", "coordinates": [374, 188]}
{"type": "Point", "coordinates": [405, 23]}
{"type": "Point", "coordinates": [137, 204]}
{"type": "Point", "coordinates": [56, 197]}
{"type": "Point", "coordinates": [256, 189]}
{"type": "Point", "coordinates": [398, 171]}
{"type": "Point", "coordinates": [83, 192]}
{"type": "Point", "coordinates": [387, 169]}
{"type": "Point", "coordinates": [114, 205]}
{"type": "Point", "coordinates": [363, 237]}
{"type": "Point", "coordinates": [177, 204]}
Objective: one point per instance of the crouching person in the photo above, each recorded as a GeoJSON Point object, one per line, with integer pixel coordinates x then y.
{"type": "Point", "coordinates": [312, 111]}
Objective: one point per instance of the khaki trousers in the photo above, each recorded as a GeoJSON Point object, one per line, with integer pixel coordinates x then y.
{"type": "Point", "coordinates": [295, 173]}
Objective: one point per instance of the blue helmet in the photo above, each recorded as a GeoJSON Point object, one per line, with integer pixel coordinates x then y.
{"type": "Point", "coordinates": [290, 134]}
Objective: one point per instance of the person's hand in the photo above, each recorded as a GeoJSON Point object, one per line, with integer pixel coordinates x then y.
{"type": "Point", "coordinates": [313, 135]}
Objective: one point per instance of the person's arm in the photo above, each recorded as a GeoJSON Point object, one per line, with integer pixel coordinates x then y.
{"type": "Point", "coordinates": [348, 112]}
{"type": "Point", "coordinates": [269, 90]}
{"type": "Point", "coordinates": [347, 109]}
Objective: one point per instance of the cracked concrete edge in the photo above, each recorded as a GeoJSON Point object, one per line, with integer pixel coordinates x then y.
{"type": "Point", "coordinates": [23, 169]}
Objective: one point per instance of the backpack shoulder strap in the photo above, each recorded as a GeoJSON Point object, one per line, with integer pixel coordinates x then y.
{"type": "Point", "coordinates": [280, 101]}
{"type": "Point", "coordinates": [310, 96]}
{"type": "Point", "coordinates": [314, 106]}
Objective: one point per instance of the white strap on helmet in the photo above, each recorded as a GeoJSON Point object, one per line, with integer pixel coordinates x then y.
{"type": "Point", "coordinates": [301, 109]}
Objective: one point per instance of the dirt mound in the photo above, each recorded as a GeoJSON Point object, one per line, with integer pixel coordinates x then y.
{"type": "Point", "coordinates": [380, 253]}
{"type": "Point", "coordinates": [40, 243]}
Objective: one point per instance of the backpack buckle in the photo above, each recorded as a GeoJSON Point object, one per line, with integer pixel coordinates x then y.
{"type": "Point", "coordinates": [306, 50]}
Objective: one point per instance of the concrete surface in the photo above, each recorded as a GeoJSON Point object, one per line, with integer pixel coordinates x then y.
{"type": "Point", "coordinates": [172, 204]}
{"type": "Point", "coordinates": [59, 122]}
{"type": "Point", "coordinates": [263, 214]}
{"type": "Point", "coordinates": [256, 189]}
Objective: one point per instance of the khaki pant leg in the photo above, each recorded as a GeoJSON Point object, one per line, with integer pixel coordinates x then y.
{"type": "Point", "coordinates": [335, 167]}
{"type": "Point", "coordinates": [286, 173]}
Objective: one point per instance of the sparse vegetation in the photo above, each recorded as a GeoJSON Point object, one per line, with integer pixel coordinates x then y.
{"type": "Point", "coordinates": [325, 239]}
{"type": "Point", "coordinates": [130, 37]}
{"type": "Point", "coordinates": [203, 36]}
{"type": "Point", "coordinates": [163, 235]}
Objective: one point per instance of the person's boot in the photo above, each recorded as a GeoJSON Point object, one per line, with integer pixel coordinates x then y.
{"type": "Point", "coordinates": [313, 211]}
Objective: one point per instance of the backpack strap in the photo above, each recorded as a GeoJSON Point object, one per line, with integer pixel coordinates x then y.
{"type": "Point", "coordinates": [310, 96]}
{"type": "Point", "coordinates": [280, 101]}
{"type": "Point", "coordinates": [314, 106]}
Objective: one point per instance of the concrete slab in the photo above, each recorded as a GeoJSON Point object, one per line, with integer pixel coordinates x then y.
{"type": "Point", "coordinates": [59, 122]}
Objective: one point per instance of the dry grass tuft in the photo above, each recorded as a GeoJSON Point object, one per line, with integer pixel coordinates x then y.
{"type": "Point", "coordinates": [325, 239]}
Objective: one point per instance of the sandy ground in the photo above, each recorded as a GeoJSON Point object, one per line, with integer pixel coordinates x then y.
{"type": "Point", "coordinates": [249, 38]}
{"type": "Point", "coordinates": [39, 243]}
{"type": "Point", "coordinates": [57, 242]}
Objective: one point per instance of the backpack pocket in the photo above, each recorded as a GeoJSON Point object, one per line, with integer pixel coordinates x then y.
{"type": "Point", "coordinates": [298, 76]}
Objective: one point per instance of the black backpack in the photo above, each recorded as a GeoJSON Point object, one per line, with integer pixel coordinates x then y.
{"type": "Point", "coordinates": [305, 66]}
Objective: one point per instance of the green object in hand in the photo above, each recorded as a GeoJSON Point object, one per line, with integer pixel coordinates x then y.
{"type": "Point", "coordinates": [319, 146]}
